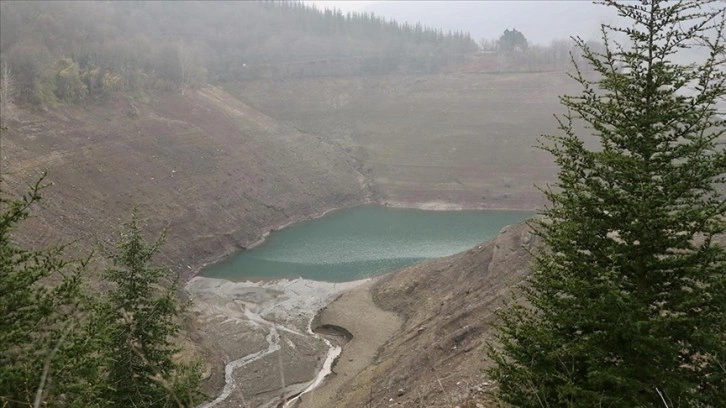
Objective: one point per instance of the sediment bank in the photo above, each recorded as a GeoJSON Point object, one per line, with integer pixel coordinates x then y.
{"type": "Point", "coordinates": [257, 339]}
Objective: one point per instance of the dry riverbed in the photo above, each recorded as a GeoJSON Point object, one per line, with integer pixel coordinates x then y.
{"type": "Point", "coordinates": [260, 331]}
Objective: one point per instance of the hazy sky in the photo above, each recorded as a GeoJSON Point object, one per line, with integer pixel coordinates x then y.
{"type": "Point", "coordinates": [541, 21]}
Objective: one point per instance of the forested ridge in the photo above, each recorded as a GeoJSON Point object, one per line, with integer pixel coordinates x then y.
{"type": "Point", "coordinates": [70, 51]}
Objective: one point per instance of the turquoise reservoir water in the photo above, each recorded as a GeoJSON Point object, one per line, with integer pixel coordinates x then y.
{"type": "Point", "coordinates": [359, 242]}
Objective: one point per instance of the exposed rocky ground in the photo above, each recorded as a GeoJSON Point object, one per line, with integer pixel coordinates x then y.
{"type": "Point", "coordinates": [261, 334]}
{"type": "Point", "coordinates": [414, 337]}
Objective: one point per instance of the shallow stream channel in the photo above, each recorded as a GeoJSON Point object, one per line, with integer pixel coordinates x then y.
{"type": "Point", "coordinates": [256, 307]}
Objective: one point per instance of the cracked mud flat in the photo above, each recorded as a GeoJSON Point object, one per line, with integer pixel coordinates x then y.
{"type": "Point", "coordinates": [259, 336]}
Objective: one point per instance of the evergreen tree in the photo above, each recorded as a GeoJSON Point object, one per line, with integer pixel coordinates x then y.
{"type": "Point", "coordinates": [45, 354]}
{"type": "Point", "coordinates": [140, 316]}
{"type": "Point", "coordinates": [512, 40]}
{"type": "Point", "coordinates": [61, 348]}
{"type": "Point", "coordinates": [626, 306]}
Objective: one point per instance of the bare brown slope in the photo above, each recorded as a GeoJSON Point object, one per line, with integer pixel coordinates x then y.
{"type": "Point", "coordinates": [436, 357]}
{"type": "Point", "coordinates": [214, 171]}
{"type": "Point", "coordinates": [463, 139]}
{"type": "Point", "coordinates": [220, 172]}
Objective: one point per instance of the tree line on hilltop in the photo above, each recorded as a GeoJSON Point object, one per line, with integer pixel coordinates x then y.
{"type": "Point", "coordinates": [70, 51]}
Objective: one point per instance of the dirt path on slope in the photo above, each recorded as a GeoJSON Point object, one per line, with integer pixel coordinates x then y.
{"type": "Point", "coordinates": [370, 326]}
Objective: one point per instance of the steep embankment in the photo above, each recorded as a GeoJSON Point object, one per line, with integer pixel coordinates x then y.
{"type": "Point", "coordinates": [220, 171]}
{"type": "Point", "coordinates": [436, 356]}
{"type": "Point", "coordinates": [467, 140]}
{"type": "Point", "coordinates": [214, 171]}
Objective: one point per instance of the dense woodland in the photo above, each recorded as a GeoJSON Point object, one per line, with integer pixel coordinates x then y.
{"type": "Point", "coordinates": [70, 51]}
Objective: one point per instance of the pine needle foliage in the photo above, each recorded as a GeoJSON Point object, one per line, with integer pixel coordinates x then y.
{"type": "Point", "coordinates": [626, 306]}
{"type": "Point", "coordinates": [44, 352]}
{"type": "Point", "coordinates": [62, 347]}
{"type": "Point", "coordinates": [141, 316]}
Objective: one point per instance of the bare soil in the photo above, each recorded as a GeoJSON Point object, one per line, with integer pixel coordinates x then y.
{"type": "Point", "coordinates": [220, 168]}
{"type": "Point", "coordinates": [466, 139]}
{"type": "Point", "coordinates": [256, 339]}
{"type": "Point", "coordinates": [213, 171]}
{"type": "Point", "coordinates": [441, 311]}
{"type": "Point", "coordinates": [369, 327]}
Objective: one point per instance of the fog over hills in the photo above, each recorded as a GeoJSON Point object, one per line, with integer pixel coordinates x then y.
{"type": "Point", "coordinates": [224, 122]}
{"type": "Point", "coordinates": [540, 21]}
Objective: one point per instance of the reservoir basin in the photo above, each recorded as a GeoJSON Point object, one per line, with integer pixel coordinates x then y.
{"type": "Point", "coordinates": [360, 242]}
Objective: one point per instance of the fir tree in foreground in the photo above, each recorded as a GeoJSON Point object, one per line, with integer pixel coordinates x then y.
{"type": "Point", "coordinates": [626, 306]}
{"type": "Point", "coordinates": [140, 318]}
{"type": "Point", "coordinates": [44, 352]}
{"type": "Point", "coordinates": [60, 347]}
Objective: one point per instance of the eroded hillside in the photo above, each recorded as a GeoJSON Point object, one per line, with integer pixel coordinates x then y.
{"type": "Point", "coordinates": [467, 140]}
{"type": "Point", "coordinates": [215, 172]}
{"type": "Point", "coordinates": [220, 171]}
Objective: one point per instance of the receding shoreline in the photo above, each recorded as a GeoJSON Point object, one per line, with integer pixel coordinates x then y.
{"type": "Point", "coordinates": [366, 336]}
{"type": "Point", "coordinates": [360, 318]}
{"type": "Point", "coordinates": [424, 206]}
{"type": "Point", "coordinates": [447, 206]}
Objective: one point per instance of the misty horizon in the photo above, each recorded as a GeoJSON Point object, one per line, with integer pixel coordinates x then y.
{"type": "Point", "coordinates": [541, 22]}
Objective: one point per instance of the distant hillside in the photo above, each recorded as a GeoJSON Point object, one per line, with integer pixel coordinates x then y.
{"type": "Point", "coordinates": [463, 139]}
{"type": "Point", "coordinates": [71, 51]}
